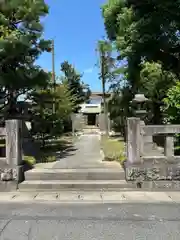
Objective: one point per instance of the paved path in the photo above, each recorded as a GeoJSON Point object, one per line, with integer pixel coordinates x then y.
{"type": "Point", "coordinates": [87, 222]}
{"type": "Point", "coordinates": [84, 197]}
{"type": "Point", "coordinates": [86, 154]}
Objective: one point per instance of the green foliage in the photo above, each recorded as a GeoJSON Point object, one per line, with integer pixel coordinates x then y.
{"type": "Point", "coordinates": [155, 80]}
{"type": "Point", "coordinates": [113, 149]}
{"type": "Point", "coordinates": [155, 83]}
{"type": "Point", "coordinates": [46, 123]}
{"type": "Point", "coordinates": [65, 101]}
{"type": "Point", "coordinates": [30, 160]}
{"type": "Point", "coordinates": [43, 116]}
{"type": "Point", "coordinates": [172, 104]}
{"type": "Point", "coordinates": [21, 43]}
{"type": "Point", "coordinates": [110, 12]}
{"type": "Point", "coordinates": [79, 91]}
{"type": "Point", "coordinates": [149, 42]}
{"type": "Point", "coordinates": [171, 109]}
{"type": "Point", "coordinates": [119, 109]}
{"type": "Point", "coordinates": [65, 105]}
{"type": "Point", "coordinates": [142, 31]}
{"type": "Point", "coordinates": [105, 61]}
{"type": "Point", "coordinates": [157, 34]}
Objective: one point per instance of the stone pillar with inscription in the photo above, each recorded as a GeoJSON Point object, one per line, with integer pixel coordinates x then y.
{"type": "Point", "coordinates": [133, 141]}
{"type": "Point", "coordinates": [133, 148]}
{"type": "Point", "coordinates": [14, 147]}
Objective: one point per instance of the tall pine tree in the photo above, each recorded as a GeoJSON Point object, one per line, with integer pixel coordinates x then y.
{"type": "Point", "coordinates": [21, 43]}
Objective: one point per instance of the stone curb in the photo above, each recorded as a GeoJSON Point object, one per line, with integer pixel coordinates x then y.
{"type": "Point", "coordinates": [90, 198]}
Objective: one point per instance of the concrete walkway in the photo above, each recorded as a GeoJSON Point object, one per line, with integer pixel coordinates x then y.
{"type": "Point", "coordinates": [100, 197]}
{"type": "Point", "coordinates": [84, 154]}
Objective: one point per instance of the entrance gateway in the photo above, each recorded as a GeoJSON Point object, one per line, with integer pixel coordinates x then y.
{"type": "Point", "coordinates": [91, 111]}
{"type": "Point", "coordinates": [90, 115]}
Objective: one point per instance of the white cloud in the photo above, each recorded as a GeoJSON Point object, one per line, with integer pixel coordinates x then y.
{"type": "Point", "coordinates": [88, 70]}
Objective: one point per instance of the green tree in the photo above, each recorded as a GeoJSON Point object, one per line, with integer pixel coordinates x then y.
{"type": "Point", "coordinates": [21, 43]}
{"type": "Point", "coordinates": [155, 83]}
{"type": "Point", "coordinates": [78, 89]}
{"type": "Point", "coordinates": [171, 109]}
{"type": "Point", "coordinates": [119, 108]}
{"type": "Point", "coordinates": [43, 117]}
{"type": "Point", "coordinates": [157, 35]}
{"type": "Point", "coordinates": [141, 32]}
{"type": "Point", "coordinates": [47, 124]}
{"type": "Point", "coordinates": [65, 105]}
{"type": "Point", "coordinates": [148, 42]}
{"type": "Point", "coordinates": [172, 104]}
{"type": "Point", "coordinates": [119, 24]}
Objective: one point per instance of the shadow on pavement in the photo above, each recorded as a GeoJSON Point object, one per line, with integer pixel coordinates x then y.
{"type": "Point", "coordinates": [56, 150]}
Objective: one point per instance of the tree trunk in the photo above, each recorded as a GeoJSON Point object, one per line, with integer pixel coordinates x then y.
{"type": "Point", "coordinates": [157, 119]}
{"type": "Point", "coordinates": [105, 107]}
{"type": "Point", "coordinates": [157, 115]}
{"type": "Point", "coordinates": [43, 141]}
{"type": "Point", "coordinates": [12, 102]}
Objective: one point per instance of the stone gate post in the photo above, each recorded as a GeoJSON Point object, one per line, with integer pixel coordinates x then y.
{"type": "Point", "coordinates": [133, 140]}
{"type": "Point", "coordinates": [14, 146]}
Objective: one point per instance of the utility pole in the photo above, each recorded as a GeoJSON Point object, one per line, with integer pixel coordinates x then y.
{"type": "Point", "coordinates": [53, 75]}
{"type": "Point", "coordinates": [103, 80]}
{"type": "Point", "coordinates": [104, 49]}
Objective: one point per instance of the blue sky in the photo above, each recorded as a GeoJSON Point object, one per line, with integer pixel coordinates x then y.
{"type": "Point", "coordinates": [76, 27]}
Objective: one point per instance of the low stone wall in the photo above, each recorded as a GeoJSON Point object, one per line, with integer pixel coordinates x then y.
{"type": "Point", "coordinates": [8, 174]}
{"type": "Point", "coordinates": [144, 173]}
{"type": "Point", "coordinates": [8, 179]}
{"type": "Point", "coordinates": [153, 168]}
{"type": "Point", "coordinates": [11, 173]}
{"type": "Point", "coordinates": [145, 161]}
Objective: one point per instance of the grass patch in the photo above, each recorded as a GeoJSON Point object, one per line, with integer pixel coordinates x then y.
{"type": "Point", "coordinates": [177, 150]}
{"type": "Point", "coordinates": [113, 149]}
{"type": "Point", "coordinates": [2, 142]}
{"type": "Point", "coordinates": [30, 160]}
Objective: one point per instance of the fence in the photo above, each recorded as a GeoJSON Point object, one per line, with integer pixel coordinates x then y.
{"type": "Point", "coordinates": [141, 165]}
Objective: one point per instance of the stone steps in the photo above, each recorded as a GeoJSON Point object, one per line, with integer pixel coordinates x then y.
{"type": "Point", "coordinates": [91, 130]}
{"type": "Point", "coordinates": [78, 185]}
{"type": "Point", "coordinates": [75, 174]}
{"type": "Point", "coordinates": [8, 186]}
{"type": "Point", "coordinates": [89, 166]}
{"type": "Point", "coordinates": [74, 179]}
